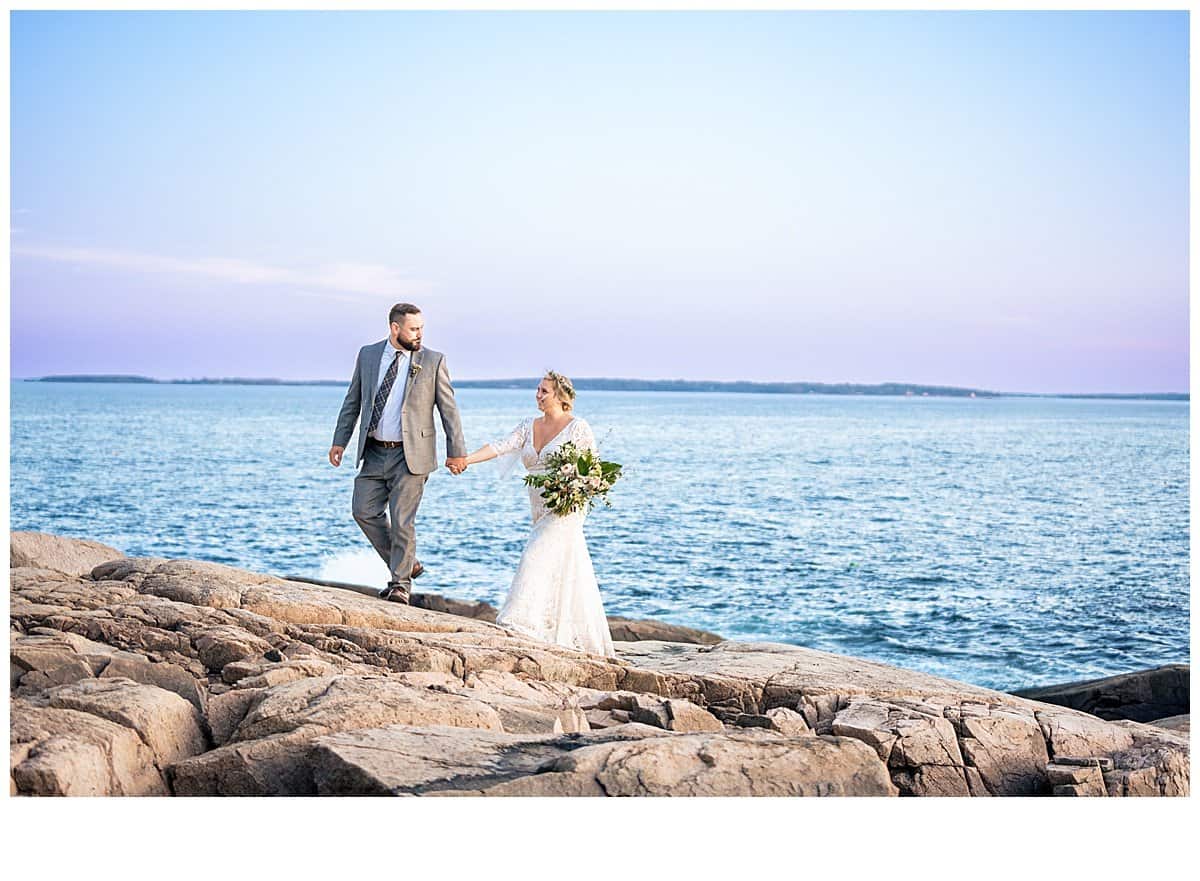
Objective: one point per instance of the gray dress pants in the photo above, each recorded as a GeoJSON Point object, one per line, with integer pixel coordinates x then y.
{"type": "Point", "coordinates": [384, 490]}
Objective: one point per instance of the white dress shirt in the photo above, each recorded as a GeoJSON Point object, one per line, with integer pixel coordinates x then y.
{"type": "Point", "coordinates": [388, 428]}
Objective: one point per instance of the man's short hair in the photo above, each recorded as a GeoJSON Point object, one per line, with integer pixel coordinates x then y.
{"type": "Point", "coordinates": [400, 310]}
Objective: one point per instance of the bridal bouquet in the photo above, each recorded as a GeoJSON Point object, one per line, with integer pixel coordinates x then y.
{"type": "Point", "coordinates": [574, 479]}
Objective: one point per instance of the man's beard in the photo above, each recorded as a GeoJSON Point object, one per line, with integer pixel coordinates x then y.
{"type": "Point", "coordinates": [407, 346]}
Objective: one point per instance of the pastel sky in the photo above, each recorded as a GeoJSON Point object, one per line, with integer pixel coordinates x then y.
{"type": "Point", "coordinates": [994, 200]}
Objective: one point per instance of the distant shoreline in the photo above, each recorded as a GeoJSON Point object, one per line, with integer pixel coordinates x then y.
{"type": "Point", "coordinates": [887, 389]}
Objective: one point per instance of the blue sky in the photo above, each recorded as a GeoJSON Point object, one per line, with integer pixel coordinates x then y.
{"type": "Point", "coordinates": [995, 200]}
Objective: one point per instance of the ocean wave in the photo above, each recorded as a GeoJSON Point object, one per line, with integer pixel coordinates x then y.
{"type": "Point", "coordinates": [360, 566]}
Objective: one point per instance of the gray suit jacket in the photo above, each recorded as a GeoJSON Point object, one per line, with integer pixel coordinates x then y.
{"type": "Point", "coordinates": [428, 384]}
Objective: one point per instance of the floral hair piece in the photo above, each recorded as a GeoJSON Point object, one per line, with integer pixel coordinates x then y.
{"type": "Point", "coordinates": [562, 382]}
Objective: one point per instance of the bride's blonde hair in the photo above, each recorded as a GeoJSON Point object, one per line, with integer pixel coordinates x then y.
{"type": "Point", "coordinates": [564, 391]}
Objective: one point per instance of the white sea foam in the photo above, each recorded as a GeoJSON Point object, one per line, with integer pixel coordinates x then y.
{"type": "Point", "coordinates": [360, 566]}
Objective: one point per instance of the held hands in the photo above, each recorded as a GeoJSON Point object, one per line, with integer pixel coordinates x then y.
{"type": "Point", "coordinates": [457, 465]}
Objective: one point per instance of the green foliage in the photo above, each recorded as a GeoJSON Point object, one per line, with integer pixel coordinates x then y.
{"type": "Point", "coordinates": [574, 479]}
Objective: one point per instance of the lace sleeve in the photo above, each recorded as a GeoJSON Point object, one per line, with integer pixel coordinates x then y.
{"type": "Point", "coordinates": [514, 442]}
{"type": "Point", "coordinates": [581, 434]}
{"type": "Point", "coordinates": [508, 450]}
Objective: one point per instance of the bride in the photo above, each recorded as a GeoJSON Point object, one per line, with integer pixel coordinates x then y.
{"type": "Point", "coordinates": [554, 596]}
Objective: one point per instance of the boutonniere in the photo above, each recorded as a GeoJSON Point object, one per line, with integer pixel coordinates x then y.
{"type": "Point", "coordinates": [414, 369]}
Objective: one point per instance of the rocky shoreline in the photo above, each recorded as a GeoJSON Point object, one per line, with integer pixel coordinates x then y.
{"type": "Point", "coordinates": [622, 629]}
{"type": "Point", "coordinates": [143, 676]}
{"type": "Point", "coordinates": [1160, 696]}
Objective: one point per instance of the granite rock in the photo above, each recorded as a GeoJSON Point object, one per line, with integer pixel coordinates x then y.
{"type": "Point", "coordinates": [1179, 724]}
{"type": "Point", "coordinates": [1140, 697]}
{"type": "Point", "coordinates": [272, 686]}
{"type": "Point", "coordinates": [625, 760]}
{"type": "Point", "coordinates": [70, 556]}
{"type": "Point", "coordinates": [70, 752]}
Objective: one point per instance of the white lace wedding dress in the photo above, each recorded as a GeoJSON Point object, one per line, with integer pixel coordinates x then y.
{"type": "Point", "coordinates": [554, 596]}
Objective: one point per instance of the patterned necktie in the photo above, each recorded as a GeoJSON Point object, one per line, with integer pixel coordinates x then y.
{"type": "Point", "coordinates": [381, 396]}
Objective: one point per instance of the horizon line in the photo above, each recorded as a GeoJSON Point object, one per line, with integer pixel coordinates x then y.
{"type": "Point", "coordinates": [914, 388]}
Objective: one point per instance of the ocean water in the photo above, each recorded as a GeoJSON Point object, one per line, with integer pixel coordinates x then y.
{"type": "Point", "coordinates": [1003, 542]}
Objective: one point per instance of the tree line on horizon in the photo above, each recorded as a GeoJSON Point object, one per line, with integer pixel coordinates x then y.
{"type": "Point", "coordinates": [894, 389]}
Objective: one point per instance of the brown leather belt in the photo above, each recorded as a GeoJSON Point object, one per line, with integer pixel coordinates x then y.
{"type": "Point", "coordinates": [390, 445]}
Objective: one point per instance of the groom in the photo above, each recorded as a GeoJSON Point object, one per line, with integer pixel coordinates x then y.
{"type": "Point", "coordinates": [393, 391]}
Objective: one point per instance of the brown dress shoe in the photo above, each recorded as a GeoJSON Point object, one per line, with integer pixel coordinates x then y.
{"type": "Point", "coordinates": [395, 593]}
{"type": "Point", "coordinates": [418, 570]}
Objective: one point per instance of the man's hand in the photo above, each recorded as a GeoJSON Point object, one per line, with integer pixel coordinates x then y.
{"type": "Point", "coordinates": [456, 464]}
{"type": "Point", "coordinates": [335, 455]}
